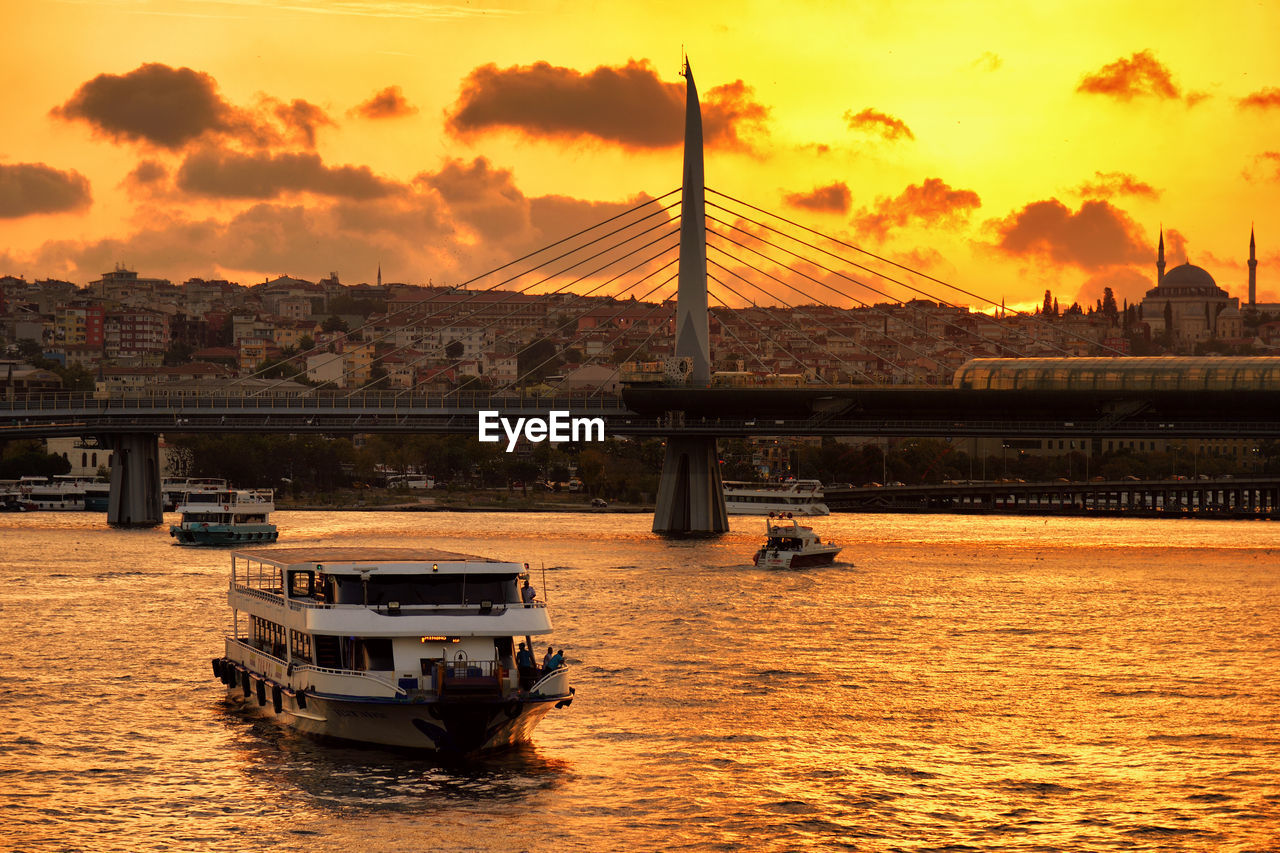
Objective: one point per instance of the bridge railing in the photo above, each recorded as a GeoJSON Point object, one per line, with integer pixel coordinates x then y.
{"type": "Point", "coordinates": [381, 401]}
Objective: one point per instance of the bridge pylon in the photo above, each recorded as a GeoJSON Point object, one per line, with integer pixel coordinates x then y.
{"type": "Point", "coordinates": [691, 493]}
{"type": "Point", "coordinates": [135, 480]}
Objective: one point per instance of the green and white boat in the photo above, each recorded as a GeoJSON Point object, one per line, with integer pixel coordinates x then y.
{"type": "Point", "coordinates": [226, 517]}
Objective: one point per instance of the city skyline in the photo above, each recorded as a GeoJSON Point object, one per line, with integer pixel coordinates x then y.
{"type": "Point", "coordinates": [1006, 151]}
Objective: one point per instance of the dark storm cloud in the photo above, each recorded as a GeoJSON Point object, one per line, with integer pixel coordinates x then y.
{"type": "Point", "coordinates": [1263, 99]}
{"type": "Point", "coordinates": [833, 198]}
{"type": "Point", "coordinates": [30, 188]}
{"type": "Point", "coordinates": [931, 203]}
{"type": "Point", "coordinates": [230, 174]}
{"type": "Point", "coordinates": [155, 104]}
{"type": "Point", "coordinates": [388, 103]}
{"type": "Point", "coordinates": [1140, 75]}
{"type": "Point", "coordinates": [1095, 236]}
{"type": "Point", "coordinates": [1109, 184]}
{"type": "Point", "coordinates": [628, 106]}
{"type": "Point", "coordinates": [878, 122]}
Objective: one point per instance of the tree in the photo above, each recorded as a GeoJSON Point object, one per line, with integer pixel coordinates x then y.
{"type": "Point", "coordinates": [454, 350]}
{"type": "Point", "coordinates": [1048, 304]}
{"type": "Point", "coordinates": [1109, 309]}
{"type": "Point", "coordinates": [334, 324]}
{"type": "Point", "coordinates": [306, 342]}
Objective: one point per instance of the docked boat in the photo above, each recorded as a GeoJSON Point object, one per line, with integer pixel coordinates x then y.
{"type": "Point", "coordinates": [398, 647]}
{"type": "Point", "coordinates": [799, 497]}
{"type": "Point", "coordinates": [789, 545]}
{"type": "Point", "coordinates": [174, 490]}
{"type": "Point", "coordinates": [226, 517]}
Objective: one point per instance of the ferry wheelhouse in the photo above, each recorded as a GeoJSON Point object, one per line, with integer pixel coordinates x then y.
{"type": "Point", "coordinates": [789, 545]}
{"type": "Point", "coordinates": [226, 517]}
{"type": "Point", "coordinates": [799, 497]}
{"type": "Point", "coordinates": [174, 490]}
{"type": "Point", "coordinates": [398, 647]}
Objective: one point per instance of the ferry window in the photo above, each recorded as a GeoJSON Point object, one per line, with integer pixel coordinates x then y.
{"type": "Point", "coordinates": [300, 645]}
{"type": "Point", "coordinates": [484, 588]}
{"type": "Point", "coordinates": [301, 584]}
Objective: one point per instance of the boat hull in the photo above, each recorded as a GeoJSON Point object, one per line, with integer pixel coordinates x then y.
{"type": "Point", "coordinates": [453, 726]}
{"type": "Point", "coordinates": [224, 534]}
{"type": "Point", "coordinates": [810, 509]}
{"type": "Point", "coordinates": [795, 559]}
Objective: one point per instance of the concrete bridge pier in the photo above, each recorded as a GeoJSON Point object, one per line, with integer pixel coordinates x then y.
{"type": "Point", "coordinates": [690, 493]}
{"type": "Point", "coordinates": [135, 481]}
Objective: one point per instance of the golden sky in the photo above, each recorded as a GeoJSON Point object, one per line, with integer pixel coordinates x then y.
{"type": "Point", "coordinates": [1005, 148]}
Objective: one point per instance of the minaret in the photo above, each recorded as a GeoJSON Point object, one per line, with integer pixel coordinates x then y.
{"type": "Point", "coordinates": [379, 274]}
{"type": "Point", "coordinates": [1253, 271]}
{"type": "Point", "coordinates": [1160, 260]}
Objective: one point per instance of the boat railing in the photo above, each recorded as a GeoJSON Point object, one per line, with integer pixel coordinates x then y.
{"type": "Point", "coordinates": [271, 596]}
{"type": "Point", "coordinates": [351, 673]}
{"type": "Point", "coordinates": [483, 608]}
{"type": "Point", "coordinates": [554, 683]}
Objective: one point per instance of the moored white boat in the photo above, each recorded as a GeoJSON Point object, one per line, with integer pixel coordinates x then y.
{"type": "Point", "coordinates": [789, 545]}
{"type": "Point", "coordinates": [226, 517]}
{"type": "Point", "coordinates": [399, 647]}
{"type": "Point", "coordinates": [799, 497]}
{"type": "Point", "coordinates": [174, 490]}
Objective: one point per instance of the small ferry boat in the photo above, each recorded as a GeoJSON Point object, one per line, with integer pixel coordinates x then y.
{"type": "Point", "coordinates": [800, 497]}
{"type": "Point", "coordinates": [398, 647]}
{"type": "Point", "coordinates": [788, 545]}
{"type": "Point", "coordinates": [226, 517]}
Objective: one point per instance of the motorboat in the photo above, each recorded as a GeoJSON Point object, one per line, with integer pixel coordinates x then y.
{"type": "Point", "coordinates": [799, 497]}
{"type": "Point", "coordinates": [410, 648]}
{"type": "Point", "coordinates": [226, 517]}
{"type": "Point", "coordinates": [789, 545]}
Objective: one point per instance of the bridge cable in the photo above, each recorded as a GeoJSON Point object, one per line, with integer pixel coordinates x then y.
{"type": "Point", "coordinates": [1032, 317]}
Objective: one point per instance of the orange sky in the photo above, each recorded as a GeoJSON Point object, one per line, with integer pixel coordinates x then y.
{"type": "Point", "coordinates": [1002, 149]}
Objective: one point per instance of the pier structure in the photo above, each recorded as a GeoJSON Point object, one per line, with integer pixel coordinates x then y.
{"type": "Point", "coordinates": [690, 499]}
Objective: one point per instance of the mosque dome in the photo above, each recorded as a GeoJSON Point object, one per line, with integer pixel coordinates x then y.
{"type": "Point", "coordinates": [1188, 278]}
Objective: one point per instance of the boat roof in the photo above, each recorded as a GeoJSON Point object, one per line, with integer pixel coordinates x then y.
{"type": "Point", "coordinates": [353, 559]}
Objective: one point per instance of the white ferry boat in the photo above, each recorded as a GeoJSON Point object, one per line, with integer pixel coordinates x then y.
{"type": "Point", "coordinates": [800, 497]}
{"type": "Point", "coordinates": [788, 545]}
{"type": "Point", "coordinates": [398, 647]}
{"type": "Point", "coordinates": [226, 517]}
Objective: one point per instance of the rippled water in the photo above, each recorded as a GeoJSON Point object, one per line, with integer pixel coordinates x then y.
{"type": "Point", "coordinates": [954, 683]}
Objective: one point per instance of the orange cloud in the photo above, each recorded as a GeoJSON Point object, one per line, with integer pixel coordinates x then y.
{"type": "Point", "coordinates": [1262, 99]}
{"type": "Point", "coordinates": [156, 105]}
{"type": "Point", "coordinates": [833, 198]}
{"type": "Point", "coordinates": [301, 118]}
{"type": "Point", "coordinates": [1140, 74]}
{"type": "Point", "coordinates": [1126, 283]}
{"type": "Point", "coordinates": [878, 122]}
{"type": "Point", "coordinates": [1109, 184]}
{"type": "Point", "coordinates": [387, 103]}
{"type": "Point", "coordinates": [31, 188]}
{"type": "Point", "coordinates": [230, 174]}
{"type": "Point", "coordinates": [628, 106]}
{"type": "Point", "coordinates": [930, 203]}
{"type": "Point", "coordinates": [1096, 236]}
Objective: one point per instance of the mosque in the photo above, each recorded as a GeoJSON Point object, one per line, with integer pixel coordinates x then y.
{"type": "Point", "coordinates": [1189, 302]}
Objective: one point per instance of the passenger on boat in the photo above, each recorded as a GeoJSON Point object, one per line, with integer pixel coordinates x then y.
{"type": "Point", "coordinates": [555, 662]}
{"type": "Point", "coordinates": [528, 593]}
{"type": "Point", "coordinates": [526, 666]}
{"type": "Point", "coordinates": [546, 659]}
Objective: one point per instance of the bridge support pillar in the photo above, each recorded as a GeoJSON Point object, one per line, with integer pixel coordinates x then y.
{"type": "Point", "coordinates": [135, 481]}
{"type": "Point", "coordinates": [690, 493]}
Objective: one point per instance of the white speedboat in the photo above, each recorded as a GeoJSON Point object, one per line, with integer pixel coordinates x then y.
{"type": "Point", "coordinates": [399, 647]}
{"type": "Point", "coordinates": [226, 517]}
{"type": "Point", "coordinates": [789, 545]}
{"type": "Point", "coordinates": [799, 497]}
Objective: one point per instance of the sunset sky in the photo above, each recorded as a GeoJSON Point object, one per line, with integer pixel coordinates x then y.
{"type": "Point", "coordinates": [1005, 148]}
